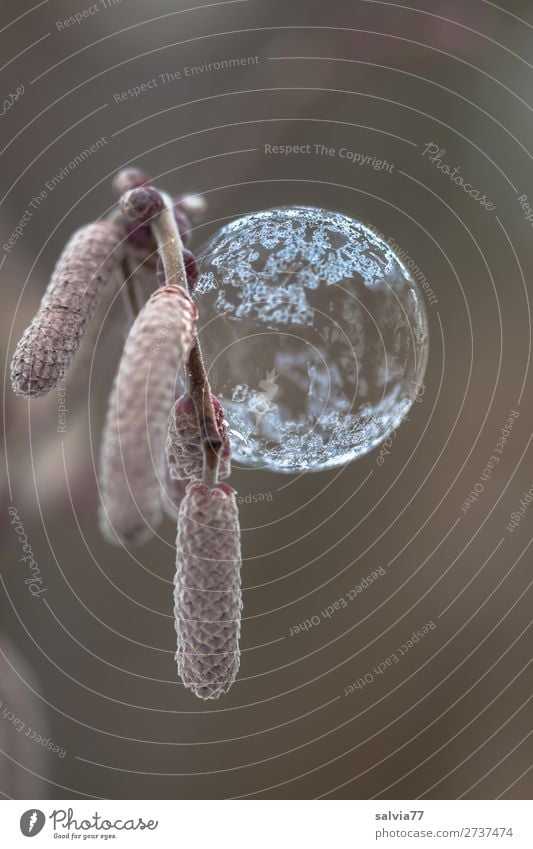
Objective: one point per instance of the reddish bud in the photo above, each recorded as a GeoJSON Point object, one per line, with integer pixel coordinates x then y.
{"type": "Point", "coordinates": [225, 488]}
{"type": "Point", "coordinates": [140, 205]}
{"type": "Point", "coordinates": [127, 179]}
{"type": "Point", "coordinates": [141, 238]}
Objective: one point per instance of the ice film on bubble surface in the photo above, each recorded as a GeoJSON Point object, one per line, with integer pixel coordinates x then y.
{"type": "Point", "coordinates": [316, 334]}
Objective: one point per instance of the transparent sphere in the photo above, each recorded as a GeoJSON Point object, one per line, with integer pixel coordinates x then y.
{"type": "Point", "coordinates": [315, 336]}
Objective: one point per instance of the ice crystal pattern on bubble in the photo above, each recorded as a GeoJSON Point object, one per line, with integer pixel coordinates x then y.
{"type": "Point", "coordinates": [321, 302]}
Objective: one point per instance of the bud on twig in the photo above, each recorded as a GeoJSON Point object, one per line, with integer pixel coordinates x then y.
{"type": "Point", "coordinates": [170, 246]}
{"type": "Point", "coordinates": [185, 456]}
{"type": "Point", "coordinates": [207, 590]}
{"type": "Point", "coordinates": [194, 206]}
{"type": "Point", "coordinates": [82, 273]}
{"type": "Point", "coordinates": [140, 204]}
{"type": "Point", "coordinates": [127, 179]}
{"type": "Point", "coordinates": [132, 459]}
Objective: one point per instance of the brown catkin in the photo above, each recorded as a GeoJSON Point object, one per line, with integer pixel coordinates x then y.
{"type": "Point", "coordinates": [132, 456]}
{"type": "Point", "coordinates": [82, 273]}
{"type": "Point", "coordinates": [184, 445]}
{"type": "Point", "coordinates": [207, 589]}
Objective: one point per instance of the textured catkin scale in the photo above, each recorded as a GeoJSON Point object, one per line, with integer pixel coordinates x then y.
{"type": "Point", "coordinates": [132, 457]}
{"type": "Point", "coordinates": [82, 273]}
{"type": "Point", "coordinates": [207, 589]}
{"type": "Point", "coordinates": [184, 446]}
{"type": "Point", "coordinates": [172, 493]}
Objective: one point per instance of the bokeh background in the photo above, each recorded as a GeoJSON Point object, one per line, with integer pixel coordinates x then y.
{"type": "Point", "coordinates": [89, 664]}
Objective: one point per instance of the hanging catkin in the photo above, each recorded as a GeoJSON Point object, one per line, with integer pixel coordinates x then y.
{"type": "Point", "coordinates": [82, 273]}
{"type": "Point", "coordinates": [184, 445]}
{"type": "Point", "coordinates": [132, 458]}
{"type": "Point", "coordinates": [207, 589]}
{"type": "Point", "coordinates": [172, 493]}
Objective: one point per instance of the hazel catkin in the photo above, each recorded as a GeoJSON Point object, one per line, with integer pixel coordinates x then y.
{"type": "Point", "coordinates": [172, 493]}
{"type": "Point", "coordinates": [82, 273]}
{"type": "Point", "coordinates": [207, 589]}
{"type": "Point", "coordinates": [184, 445]}
{"type": "Point", "coordinates": [132, 456]}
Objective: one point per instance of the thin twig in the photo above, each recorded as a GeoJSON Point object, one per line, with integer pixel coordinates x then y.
{"type": "Point", "coordinates": [129, 292]}
{"type": "Point", "coordinates": [169, 243]}
{"type": "Point", "coordinates": [170, 248]}
{"type": "Point", "coordinates": [200, 392]}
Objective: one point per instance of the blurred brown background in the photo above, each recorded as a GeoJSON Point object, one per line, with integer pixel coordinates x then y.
{"type": "Point", "coordinates": [89, 665]}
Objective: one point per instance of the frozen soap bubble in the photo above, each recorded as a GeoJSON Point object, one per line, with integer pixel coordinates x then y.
{"type": "Point", "coordinates": [315, 334]}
